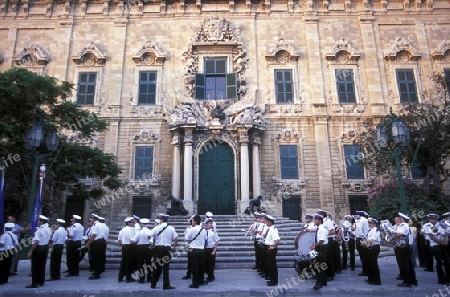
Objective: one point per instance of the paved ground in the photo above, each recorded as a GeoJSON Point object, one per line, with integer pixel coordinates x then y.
{"type": "Point", "coordinates": [229, 282]}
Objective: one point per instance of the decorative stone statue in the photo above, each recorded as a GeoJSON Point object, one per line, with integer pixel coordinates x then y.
{"type": "Point", "coordinates": [176, 207]}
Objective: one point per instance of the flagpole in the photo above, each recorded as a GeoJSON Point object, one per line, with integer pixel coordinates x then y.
{"type": "Point", "coordinates": [2, 196]}
{"type": "Point", "coordinates": [38, 203]}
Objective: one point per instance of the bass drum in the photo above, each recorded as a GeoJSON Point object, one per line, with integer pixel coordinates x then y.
{"type": "Point", "coordinates": [305, 257]}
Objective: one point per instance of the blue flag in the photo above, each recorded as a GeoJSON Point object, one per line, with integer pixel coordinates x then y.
{"type": "Point", "coordinates": [36, 209]}
{"type": "Point", "coordinates": [2, 197]}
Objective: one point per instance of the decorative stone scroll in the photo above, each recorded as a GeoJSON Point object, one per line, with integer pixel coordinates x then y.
{"type": "Point", "coordinates": [357, 185]}
{"type": "Point", "coordinates": [90, 55]}
{"type": "Point", "coordinates": [281, 53]}
{"type": "Point", "coordinates": [401, 51]}
{"type": "Point", "coordinates": [442, 52]}
{"type": "Point", "coordinates": [287, 187]}
{"type": "Point", "coordinates": [149, 54]}
{"type": "Point", "coordinates": [31, 56]}
{"type": "Point", "coordinates": [342, 53]}
{"type": "Point", "coordinates": [144, 136]}
{"type": "Point", "coordinates": [287, 136]}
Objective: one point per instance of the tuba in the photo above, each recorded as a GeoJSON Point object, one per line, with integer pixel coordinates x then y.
{"type": "Point", "coordinates": [347, 225]}
{"type": "Point", "coordinates": [389, 232]}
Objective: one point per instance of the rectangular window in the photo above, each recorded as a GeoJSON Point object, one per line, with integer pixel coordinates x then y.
{"type": "Point", "coordinates": [215, 83]}
{"type": "Point", "coordinates": [353, 167]}
{"type": "Point", "coordinates": [143, 162]}
{"type": "Point", "coordinates": [288, 161]}
{"type": "Point", "coordinates": [447, 80]}
{"type": "Point", "coordinates": [86, 88]}
{"type": "Point", "coordinates": [147, 87]}
{"type": "Point", "coordinates": [284, 87]}
{"type": "Point", "coordinates": [407, 86]}
{"type": "Point", "coordinates": [345, 85]}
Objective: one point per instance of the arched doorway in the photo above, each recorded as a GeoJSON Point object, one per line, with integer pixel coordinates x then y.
{"type": "Point", "coordinates": [216, 179]}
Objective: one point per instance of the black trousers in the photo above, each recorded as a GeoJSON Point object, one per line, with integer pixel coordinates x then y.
{"type": "Point", "coordinates": [210, 262]}
{"type": "Point", "coordinates": [362, 254]}
{"type": "Point", "coordinates": [428, 256]}
{"type": "Point", "coordinates": [162, 258]}
{"type": "Point", "coordinates": [348, 248]}
{"type": "Point", "coordinates": [322, 258]}
{"type": "Point", "coordinates": [271, 264]}
{"type": "Point", "coordinates": [332, 253]}
{"type": "Point", "coordinates": [102, 253]}
{"type": "Point", "coordinates": [73, 256]}
{"type": "Point", "coordinates": [260, 256]}
{"type": "Point", "coordinates": [5, 266]}
{"type": "Point", "coordinates": [373, 270]}
{"type": "Point", "coordinates": [128, 263]}
{"type": "Point", "coordinates": [403, 256]}
{"type": "Point", "coordinates": [144, 259]}
{"type": "Point", "coordinates": [198, 266]}
{"type": "Point", "coordinates": [189, 265]}
{"type": "Point", "coordinates": [439, 253]}
{"type": "Point", "coordinates": [55, 261]}
{"type": "Point", "coordinates": [96, 250]}
{"type": "Point", "coordinates": [257, 256]}
{"type": "Point", "coordinates": [38, 262]}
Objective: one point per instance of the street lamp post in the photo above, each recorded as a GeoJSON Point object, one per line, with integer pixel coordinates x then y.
{"type": "Point", "coordinates": [33, 140]}
{"type": "Point", "coordinates": [394, 141]}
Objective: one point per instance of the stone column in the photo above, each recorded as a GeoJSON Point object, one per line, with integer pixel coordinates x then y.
{"type": "Point", "coordinates": [245, 170]}
{"type": "Point", "coordinates": [256, 170]}
{"type": "Point", "coordinates": [188, 204]}
{"type": "Point", "coordinates": [176, 165]}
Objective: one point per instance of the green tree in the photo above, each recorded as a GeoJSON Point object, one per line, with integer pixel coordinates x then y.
{"type": "Point", "coordinates": [27, 99]}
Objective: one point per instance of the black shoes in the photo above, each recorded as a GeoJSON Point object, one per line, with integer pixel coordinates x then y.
{"type": "Point", "coordinates": [317, 287]}
{"type": "Point", "coordinates": [94, 277]}
{"type": "Point", "coordinates": [362, 274]}
{"type": "Point", "coordinates": [31, 286]}
{"type": "Point", "coordinates": [404, 285]}
{"type": "Point", "coordinates": [52, 279]}
{"type": "Point", "coordinates": [194, 286]}
{"type": "Point", "coordinates": [168, 287]}
{"type": "Point", "coordinates": [153, 286]}
{"type": "Point", "coordinates": [272, 284]}
{"type": "Point", "coordinates": [187, 276]}
{"type": "Point", "coordinates": [130, 280]}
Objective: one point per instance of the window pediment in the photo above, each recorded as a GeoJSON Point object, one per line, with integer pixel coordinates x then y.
{"type": "Point", "coordinates": [31, 56]}
{"type": "Point", "coordinates": [90, 55]}
{"type": "Point", "coordinates": [442, 51]}
{"type": "Point", "coordinates": [282, 52]}
{"type": "Point", "coordinates": [342, 53]}
{"type": "Point", "coordinates": [401, 51]}
{"type": "Point", "coordinates": [145, 136]}
{"type": "Point", "coordinates": [149, 54]}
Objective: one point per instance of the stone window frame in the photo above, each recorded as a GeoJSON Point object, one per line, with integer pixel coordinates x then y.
{"type": "Point", "coordinates": [401, 54]}
{"type": "Point", "coordinates": [144, 138]}
{"type": "Point", "coordinates": [32, 57]}
{"type": "Point", "coordinates": [283, 56]}
{"type": "Point", "coordinates": [343, 56]}
{"type": "Point", "coordinates": [91, 59]}
{"type": "Point", "coordinates": [149, 58]}
{"type": "Point", "coordinates": [289, 137]}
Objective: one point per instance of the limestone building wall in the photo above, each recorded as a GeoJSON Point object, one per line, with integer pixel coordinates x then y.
{"type": "Point", "coordinates": [117, 39]}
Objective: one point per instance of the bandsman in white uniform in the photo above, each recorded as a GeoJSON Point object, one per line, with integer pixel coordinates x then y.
{"type": "Point", "coordinates": [271, 242]}
{"type": "Point", "coordinates": [143, 251]}
{"type": "Point", "coordinates": [59, 237]}
{"type": "Point", "coordinates": [8, 241]}
{"type": "Point", "coordinates": [39, 252]}
{"type": "Point", "coordinates": [128, 263]}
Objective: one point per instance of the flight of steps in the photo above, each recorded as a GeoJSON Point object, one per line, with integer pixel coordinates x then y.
{"type": "Point", "coordinates": [234, 250]}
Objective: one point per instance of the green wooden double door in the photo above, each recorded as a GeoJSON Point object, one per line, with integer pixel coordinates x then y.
{"type": "Point", "coordinates": [216, 180]}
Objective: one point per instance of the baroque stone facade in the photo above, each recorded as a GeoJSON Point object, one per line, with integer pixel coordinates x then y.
{"type": "Point", "coordinates": [313, 41]}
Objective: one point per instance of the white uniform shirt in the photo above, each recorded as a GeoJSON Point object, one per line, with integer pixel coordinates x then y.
{"type": "Point", "coordinates": [362, 227]}
{"type": "Point", "coordinates": [322, 234]}
{"type": "Point", "coordinates": [272, 236]}
{"type": "Point", "coordinates": [166, 237]}
{"type": "Point", "coordinates": [141, 237]}
{"type": "Point", "coordinates": [126, 234]}
{"type": "Point", "coordinates": [42, 235]}
{"type": "Point", "coordinates": [329, 225]}
{"type": "Point", "coordinates": [426, 229]}
{"type": "Point", "coordinates": [76, 231]}
{"type": "Point", "coordinates": [374, 234]}
{"type": "Point", "coordinates": [212, 238]}
{"type": "Point", "coordinates": [8, 241]}
{"type": "Point", "coordinates": [196, 237]}
{"type": "Point", "coordinates": [59, 236]}
{"type": "Point", "coordinates": [96, 230]}
{"type": "Point", "coordinates": [403, 229]}
{"type": "Point", "coordinates": [103, 230]}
